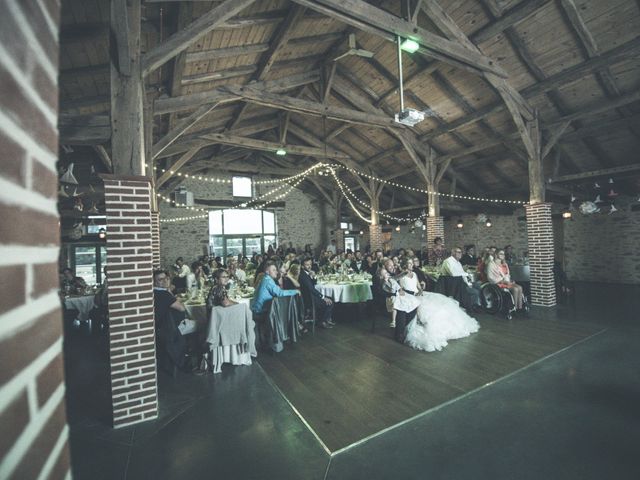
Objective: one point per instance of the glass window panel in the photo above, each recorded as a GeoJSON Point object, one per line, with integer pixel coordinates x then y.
{"type": "Point", "coordinates": [269, 222]}
{"type": "Point", "coordinates": [242, 187]}
{"type": "Point", "coordinates": [215, 222]}
{"type": "Point", "coordinates": [216, 246]}
{"type": "Point", "coordinates": [269, 240]}
{"type": "Point", "coordinates": [252, 245]}
{"type": "Point", "coordinates": [344, 226]}
{"type": "Point", "coordinates": [234, 246]}
{"type": "Point", "coordinates": [95, 228]}
{"type": "Point", "coordinates": [350, 243]}
{"type": "Point", "coordinates": [85, 262]}
{"type": "Point", "coordinates": [242, 222]}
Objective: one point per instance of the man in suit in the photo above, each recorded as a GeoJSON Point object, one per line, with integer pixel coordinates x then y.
{"type": "Point", "coordinates": [311, 296]}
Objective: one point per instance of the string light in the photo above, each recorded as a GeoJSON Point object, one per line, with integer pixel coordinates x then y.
{"type": "Point", "coordinates": [356, 211]}
{"type": "Point", "coordinates": [181, 219]}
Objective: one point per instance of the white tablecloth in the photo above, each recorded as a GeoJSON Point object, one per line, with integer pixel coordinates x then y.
{"type": "Point", "coordinates": [350, 293]}
{"type": "Point", "coordinates": [83, 305]}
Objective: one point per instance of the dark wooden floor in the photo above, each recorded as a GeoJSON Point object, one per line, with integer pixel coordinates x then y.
{"type": "Point", "coordinates": [348, 383]}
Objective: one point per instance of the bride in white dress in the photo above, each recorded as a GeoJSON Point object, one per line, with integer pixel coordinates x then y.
{"type": "Point", "coordinates": [439, 319]}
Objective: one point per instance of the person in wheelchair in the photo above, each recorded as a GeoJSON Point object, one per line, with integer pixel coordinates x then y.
{"type": "Point", "coordinates": [498, 273]}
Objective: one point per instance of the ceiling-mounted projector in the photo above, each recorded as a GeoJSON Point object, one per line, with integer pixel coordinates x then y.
{"type": "Point", "coordinates": [409, 117]}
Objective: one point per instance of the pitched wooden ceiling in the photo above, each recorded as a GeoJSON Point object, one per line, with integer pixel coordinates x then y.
{"type": "Point", "coordinates": [577, 62]}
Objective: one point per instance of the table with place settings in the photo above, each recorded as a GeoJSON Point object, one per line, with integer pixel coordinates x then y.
{"type": "Point", "coordinates": [345, 288]}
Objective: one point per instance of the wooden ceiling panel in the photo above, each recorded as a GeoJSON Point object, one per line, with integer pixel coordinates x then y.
{"type": "Point", "coordinates": [578, 95]}
{"type": "Point", "coordinates": [627, 74]}
{"type": "Point", "coordinates": [611, 23]}
{"type": "Point", "coordinates": [468, 14]}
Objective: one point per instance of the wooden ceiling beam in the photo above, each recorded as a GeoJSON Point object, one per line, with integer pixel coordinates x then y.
{"type": "Point", "coordinates": [195, 100]}
{"type": "Point", "coordinates": [254, 144]}
{"type": "Point", "coordinates": [605, 172]}
{"type": "Point", "coordinates": [84, 129]}
{"type": "Point", "coordinates": [381, 23]}
{"type": "Point", "coordinates": [181, 127]}
{"type": "Point", "coordinates": [181, 40]}
{"type": "Point", "coordinates": [512, 17]}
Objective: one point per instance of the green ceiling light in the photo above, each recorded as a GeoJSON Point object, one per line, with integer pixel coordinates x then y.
{"type": "Point", "coordinates": [281, 151]}
{"type": "Point", "coordinates": [410, 46]}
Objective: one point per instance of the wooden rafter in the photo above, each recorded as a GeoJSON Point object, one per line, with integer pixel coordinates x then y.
{"type": "Point", "coordinates": [181, 127]}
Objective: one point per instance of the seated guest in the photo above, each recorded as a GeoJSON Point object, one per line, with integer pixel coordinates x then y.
{"type": "Point", "coordinates": [469, 258]}
{"type": "Point", "coordinates": [290, 249]}
{"type": "Point", "coordinates": [308, 250]}
{"type": "Point", "coordinates": [437, 253]}
{"type": "Point", "coordinates": [358, 262]}
{"type": "Point", "coordinates": [282, 273]}
{"type": "Point", "coordinates": [403, 305]}
{"type": "Point", "coordinates": [237, 272]}
{"type": "Point", "coordinates": [267, 290]}
{"type": "Point", "coordinates": [219, 296]}
{"type": "Point", "coordinates": [369, 265]}
{"type": "Point", "coordinates": [196, 278]}
{"type": "Point", "coordinates": [509, 256]}
{"type": "Point", "coordinates": [291, 279]}
{"type": "Point", "coordinates": [67, 284]}
{"type": "Point", "coordinates": [498, 273]}
{"type": "Point", "coordinates": [204, 261]}
{"type": "Point", "coordinates": [312, 297]}
{"type": "Point", "coordinates": [168, 312]}
{"type": "Point", "coordinates": [453, 268]}
{"type": "Point", "coordinates": [80, 286]}
{"type": "Point", "coordinates": [423, 281]}
{"type": "Point", "coordinates": [331, 248]}
{"type": "Point", "coordinates": [180, 275]}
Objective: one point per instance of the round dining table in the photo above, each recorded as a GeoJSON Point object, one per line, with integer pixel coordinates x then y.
{"type": "Point", "coordinates": [346, 292]}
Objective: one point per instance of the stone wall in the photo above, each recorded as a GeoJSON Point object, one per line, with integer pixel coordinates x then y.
{"type": "Point", "coordinates": [602, 247]}
{"type": "Point", "coordinates": [505, 230]}
{"type": "Point", "coordinates": [33, 427]}
{"type": "Point", "coordinates": [405, 238]}
{"type": "Point", "coordinates": [303, 220]}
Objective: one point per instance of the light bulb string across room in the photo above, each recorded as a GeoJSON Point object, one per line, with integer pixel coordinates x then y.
{"type": "Point", "coordinates": [313, 168]}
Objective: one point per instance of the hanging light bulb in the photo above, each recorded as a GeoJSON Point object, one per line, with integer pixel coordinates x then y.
{"type": "Point", "coordinates": [102, 233]}
{"type": "Point", "coordinates": [361, 232]}
{"type": "Point", "coordinates": [398, 228]}
{"type": "Point", "coordinates": [610, 180]}
{"type": "Point", "coordinates": [460, 223]}
{"type": "Point", "coordinates": [488, 224]}
{"type": "Point", "coordinates": [566, 214]}
{"type": "Point", "coordinates": [596, 185]}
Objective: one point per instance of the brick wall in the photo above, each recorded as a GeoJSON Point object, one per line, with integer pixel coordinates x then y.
{"type": "Point", "coordinates": [155, 239]}
{"type": "Point", "coordinates": [375, 237]}
{"type": "Point", "coordinates": [33, 429]}
{"type": "Point", "coordinates": [540, 242]}
{"type": "Point", "coordinates": [131, 324]}
{"type": "Point", "coordinates": [406, 238]}
{"type": "Point", "coordinates": [302, 221]}
{"type": "Point", "coordinates": [435, 228]}
{"type": "Point", "coordinates": [603, 247]}
{"type": "Point", "coordinates": [505, 230]}
{"type": "Point", "coordinates": [338, 235]}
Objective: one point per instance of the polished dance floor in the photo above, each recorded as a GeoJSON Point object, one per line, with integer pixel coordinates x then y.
{"type": "Point", "coordinates": [555, 395]}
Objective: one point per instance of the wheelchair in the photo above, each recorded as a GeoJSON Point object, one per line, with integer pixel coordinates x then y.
{"type": "Point", "coordinates": [500, 300]}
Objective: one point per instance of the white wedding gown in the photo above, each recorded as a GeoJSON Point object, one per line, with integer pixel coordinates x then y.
{"type": "Point", "coordinates": [439, 319]}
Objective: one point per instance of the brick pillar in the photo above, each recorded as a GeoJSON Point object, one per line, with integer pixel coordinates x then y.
{"type": "Point", "coordinates": [375, 237]}
{"type": "Point", "coordinates": [540, 242]}
{"type": "Point", "coordinates": [339, 236]}
{"type": "Point", "coordinates": [155, 239]}
{"type": "Point", "coordinates": [435, 228]}
{"type": "Point", "coordinates": [131, 324]}
{"type": "Point", "coordinates": [33, 426]}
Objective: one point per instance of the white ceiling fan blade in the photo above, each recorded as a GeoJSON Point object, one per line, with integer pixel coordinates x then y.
{"type": "Point", "coordinates": [361, 53]}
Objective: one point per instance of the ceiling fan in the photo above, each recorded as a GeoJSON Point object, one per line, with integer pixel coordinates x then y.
{"type": "Point", "coordinates": [353, 50]}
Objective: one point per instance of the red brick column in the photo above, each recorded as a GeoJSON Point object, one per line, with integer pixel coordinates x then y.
{"type": "Point", "coordinates": [375, 237]}
{"type": "Point", "coordinates": [339, 236]}
{"type": "Point", "coordinates": [540, 241]}
{"type": "Point", "coordinates": [131, 324]}
{"type": "Point", "coordinates": [33, 426]}
{"type": "Point", "coordinates": [435, 228]}
{"type": "Point", "coordinates": [155, 239]}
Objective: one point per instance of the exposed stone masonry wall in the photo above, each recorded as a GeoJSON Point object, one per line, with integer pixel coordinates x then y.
{"type": "Point", "coordinates": [302, 221]}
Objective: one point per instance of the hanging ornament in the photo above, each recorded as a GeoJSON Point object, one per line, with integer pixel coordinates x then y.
{"type": "Point", "coordinates": [418, 223]}
{"type": "Point", "coordinates": [93, 209]}
{"type": "Point", "coordinates": [612, 193]}
{"type": "Point", "coordinates": [573, 198]}
{"type": "Point", "coordinates": [610, 180]}
{"type": "Point", "coordinates": [597, 200]}
{"type": "Point", "coordinates": [613, 209]}
{"type": "Point", "coordinates": [68, 177]}
{"type": "Point", "coordinates": [481, 218]}
{"type": "Point", "coordinates": [596, 185]}
{"type": "Point", "coordinates": [588, 208]}
{"type": "Point", "coordinates": [62, 192]}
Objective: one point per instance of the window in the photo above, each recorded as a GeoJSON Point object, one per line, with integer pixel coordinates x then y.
{"type": "Point", "coordinates": [242, 187]}
{"type": "Point", "coordinates": [241, 231]}
{"type": "Point", "coordinates": [346, 226]}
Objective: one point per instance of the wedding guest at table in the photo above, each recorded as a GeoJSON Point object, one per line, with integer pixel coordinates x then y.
{"type": "Point", "coordinates": [180, 275]}
{"type": "Point", "coordinates": [196, 277]}
{"type": "Point", "coordinates": [292, 280]}
{"type": "Point", "coordinates": [270, 251]}
{"type": "Point", "coordinates": [80, 286]}
{"type": "Point", "coordinates": [453, 267]}
{"type": "Point", "coordinates": [290, 249]}
{"type": "Point", "coordinates": [396, 262]}
{"type": "Point", "coordinates": [282, 273]}
{"type": "Point", "coordinates": [469, 257]}
{"type": "Point", "coordinates": [168, 312]}
{"type": "Point", "coordinates": [308, 250]}
{"type": "Point", "coordinates": [403, 305]}
{"type": "Point", "coordinates": [498, 273]}
{"type": "Point", "coordinates": [67, 284]}
{"type": "Point", "coordinates": [358, 262]}
{"type": "Point", "coordinates": [219, 293]}
{"type": "Point", "coordinates": [268, 289]}
{"type": "Point", "coordinates": [509, 256]}
{"type": "Point", "coordinates": [331, 248]}
{"type": "Point", "coordinates": [312, 297]}
{"type": "Point", "coordinates": [237, 273]}
{"type": "Point", "coordinates": [423, 281]}
{"type": "Point", "coordinates": [437, 253]}
{"type": "Point", "coordinates": [204, 261]}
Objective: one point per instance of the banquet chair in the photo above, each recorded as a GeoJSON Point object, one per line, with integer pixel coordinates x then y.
{"type": "Point", "coordinates": [310, 314]}
{"type": "Point", "coordinates": [500, 300]}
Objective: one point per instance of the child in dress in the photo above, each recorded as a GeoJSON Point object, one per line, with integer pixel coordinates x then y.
{"type": "Point", "coordinates": [397, 299]}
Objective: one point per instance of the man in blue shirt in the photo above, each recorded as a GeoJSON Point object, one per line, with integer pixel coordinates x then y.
{"type": "Point", "coordinates": [268, 289]}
